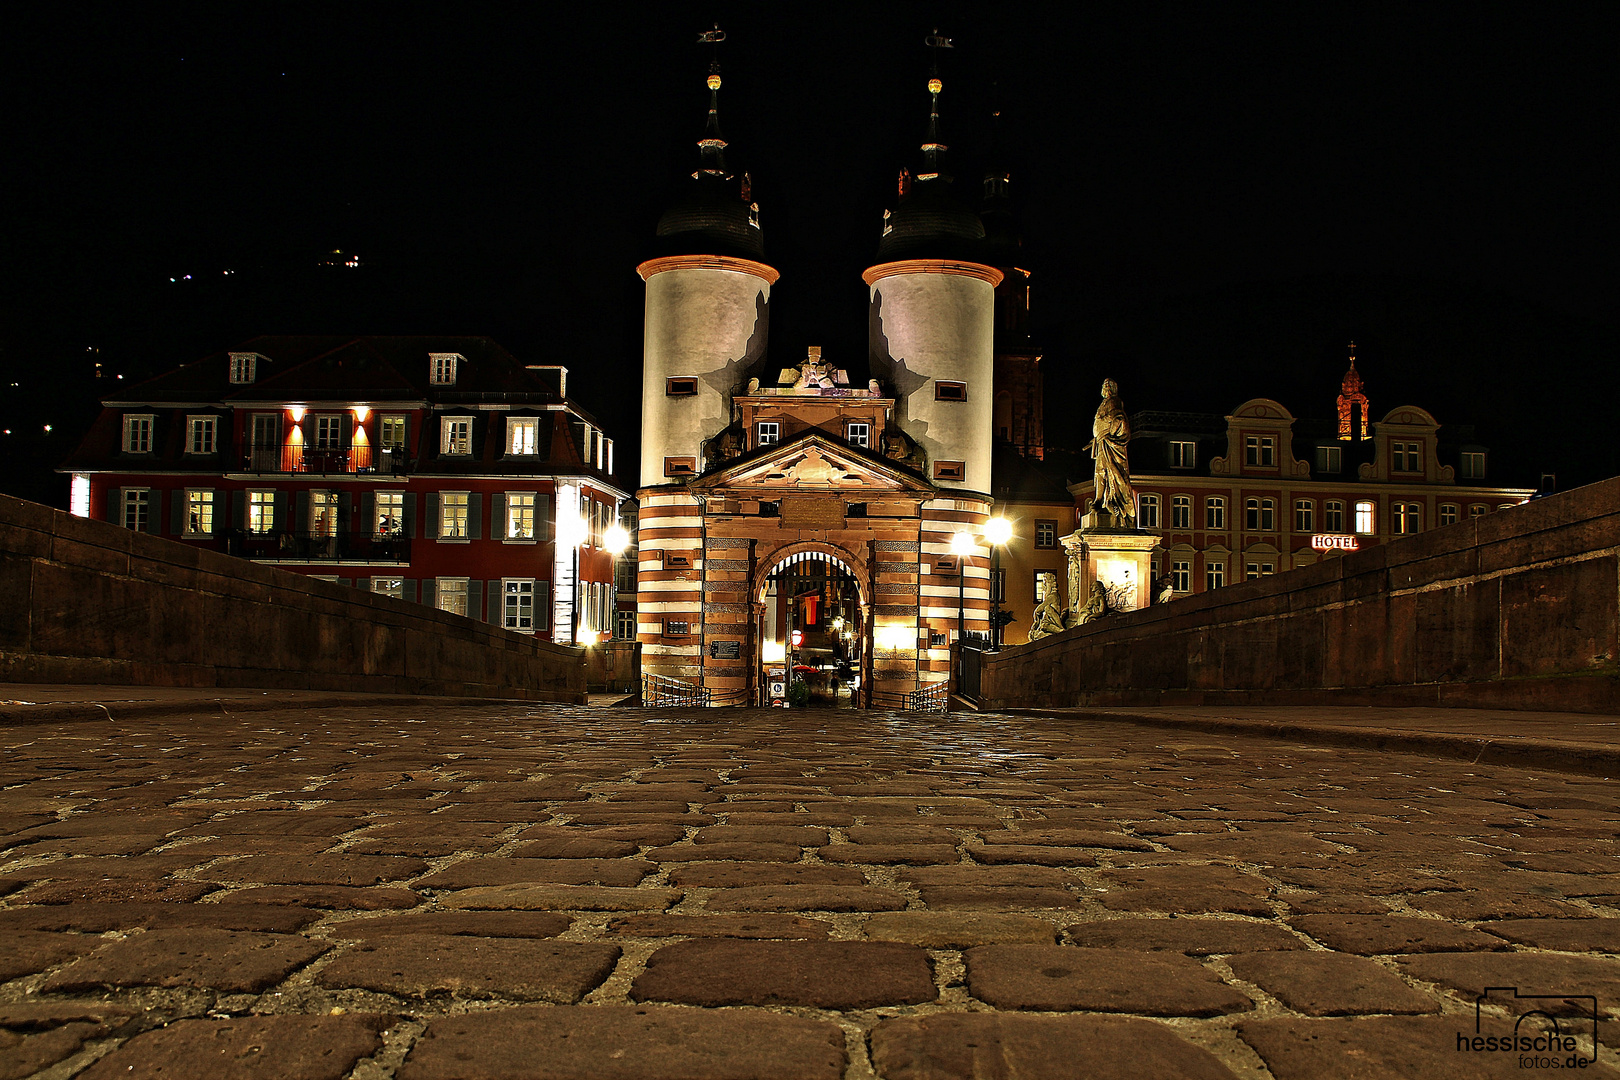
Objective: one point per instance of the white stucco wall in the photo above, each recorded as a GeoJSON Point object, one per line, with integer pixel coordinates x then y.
{"type": "Point", "coordinates": [706, 323]}
{"type": "Point", "coordinates": [933, 327]}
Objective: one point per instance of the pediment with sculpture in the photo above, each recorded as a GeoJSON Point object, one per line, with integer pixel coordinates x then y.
{"type": "Point", "coordinates": [814, 462]}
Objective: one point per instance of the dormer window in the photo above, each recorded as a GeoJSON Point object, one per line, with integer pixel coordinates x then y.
{"type": "Point", "coordinates": [442, 368]}
{"type": "Point", "coordinates": [138, 434]}
{"type": "Point", "coordinates": [244, 367]}
{"type": "Point", "coordinates": [522, 435]}
{"type": "Point", "coordinates": [1260, 450]}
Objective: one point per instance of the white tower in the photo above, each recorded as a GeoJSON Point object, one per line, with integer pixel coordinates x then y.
{"type": "Point", "coordinates": [932, 321]}
{"type": "Point", "coordinates": [708, 301]}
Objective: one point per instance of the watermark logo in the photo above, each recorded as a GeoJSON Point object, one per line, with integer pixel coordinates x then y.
{"type": "Point", "coordinates": [1545, 1035]}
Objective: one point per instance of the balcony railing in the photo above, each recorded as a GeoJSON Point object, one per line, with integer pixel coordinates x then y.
{"type": "Point", "coordinates": [320, 547]}
{"type": "Point", "coordinates": [304, 459]}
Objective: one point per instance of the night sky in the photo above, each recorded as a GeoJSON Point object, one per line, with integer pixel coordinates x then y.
{"type": "Point", "coordinates": [1216, 198]}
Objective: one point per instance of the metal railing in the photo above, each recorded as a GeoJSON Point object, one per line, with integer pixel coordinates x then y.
{"type": "Point", "coordinates": [662, 692]}
{"type": "Point", "coordinates": [320, 547]}
{"type": "Point", "coordinates": [294, 458]}
{"type": "Point", "coordinates": [934, 697]}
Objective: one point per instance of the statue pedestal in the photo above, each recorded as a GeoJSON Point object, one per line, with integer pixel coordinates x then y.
{"type": "Point", "coordinates": [1122, 559]}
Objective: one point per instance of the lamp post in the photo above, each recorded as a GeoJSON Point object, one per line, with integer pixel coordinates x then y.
{"type": "Point", "coordinates": [573, 531]}
{"type": "Point", "coordinates": [997, 531]}
{"type": "Point", "coordinates": [616, 539]}
{"type": "Point", "coordinates": [962, 545]}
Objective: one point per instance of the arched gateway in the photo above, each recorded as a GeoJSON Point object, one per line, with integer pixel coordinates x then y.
{"type": "Point", "coordinates": [819, 494]}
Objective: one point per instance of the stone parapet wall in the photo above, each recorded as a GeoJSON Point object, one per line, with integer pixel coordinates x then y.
{"type": "Point", "coordinates": [86, 601]}
{"type": "Point", "coordinates": [1517, 609]}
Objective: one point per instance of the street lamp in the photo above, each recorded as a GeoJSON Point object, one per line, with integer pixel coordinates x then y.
{"type": "Point", "coordinates": [614, 541]}
{"type": "Point", "coordinates": [962, 545]}
{"type": "Point", "coordinates": [997, 531]}
{"type": "Point", "coordinates": [573, 531]}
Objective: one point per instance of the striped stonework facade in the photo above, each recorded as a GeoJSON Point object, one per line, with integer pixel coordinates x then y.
{"type": "Point", "coordinates": [669, 585]}
{"type": "Point", "coordinates": [711, 551]}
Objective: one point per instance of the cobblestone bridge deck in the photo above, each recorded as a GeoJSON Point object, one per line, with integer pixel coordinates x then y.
{"type": "Point", "coordinates": [431, 892]}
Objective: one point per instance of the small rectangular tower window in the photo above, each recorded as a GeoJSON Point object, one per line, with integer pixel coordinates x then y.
{"type": "Point", "coordinates": [950, 391]}
{"type": "Point", "coordinates": [680, 466]}
{"type": "Point", "coordinates": [949, 470]}
{"type": "Point", "coordinates": [681, 386]}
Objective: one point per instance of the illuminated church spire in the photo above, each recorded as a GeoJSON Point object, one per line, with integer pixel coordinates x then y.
{"type": "Point", "coordinates": [932, 148]}
{"type": "Point", "coordinates": [1350, 396]}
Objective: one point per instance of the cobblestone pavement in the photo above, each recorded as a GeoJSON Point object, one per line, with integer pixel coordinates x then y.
{"type": "Point", "coordinates": [510, 891]}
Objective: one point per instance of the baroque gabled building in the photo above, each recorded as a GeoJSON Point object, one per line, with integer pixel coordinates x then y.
{"type": "Point", "coordinates": [440, 470]}
{"type": "Point", "coordinates": [1259, 491]}
{"type": "Point", "coordinates": [784, 501]}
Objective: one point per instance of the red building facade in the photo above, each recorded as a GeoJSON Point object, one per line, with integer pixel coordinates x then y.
{"type": "Point", "coordinates": [437, 470]}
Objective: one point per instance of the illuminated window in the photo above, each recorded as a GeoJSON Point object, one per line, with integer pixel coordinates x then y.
{"type": "Point", "coordinates": [520, 515]}
{"type": "Point", "coordinates": [517, 604]}
{"type": "Point", "coordinates": [1214, 575]}
{"type": "Point", "coordinates": [137, 502]}
{"type": "Point", "coordinates": [860, 433]}
{"type": "Point", "coordinates": [1183, 455]}
{"type": "Point", "coordinates": [1181, 511]}
{"type": "Point", "coordinates": [450, 594]}
{"type": "Point", "coordinates": [1147, 511]}
{"type": "Point", "coordinates": [328, 432]}
{"type": "Point", "coordinates": [768, 432]}
{"type": "Point", "coordinates": [1473, 465]}
{"type": "Point", "coordinates": [1181, 575]}
{"type": "Point", "coordinates": [79, 496]}
{"type": "Point", "coordinates": [522, 434]}
{"type": "Point", "coordinates": [1215, 512]}
{"type": "Point", "coordinates": [1333, 516]}
{"type": "Point", "coordinates": [199, 512]}
{"type": "Point", "coordinates": [1448, 513]}
{"type": "Point", "coordinates": [453, 515]}
{"type": "Point", "coordinates": [1404, 457]}
{"type": "Point", "coordinates": [1260, 450]}
{"type": "Point", "coordinates": [243, 365]}
{"type": "Point", "coordinates": [390, 513]}
{"type": "Point", "coordinates": [138, 434]}
{"type": "Point", "coordinates": [1329, 459]}
{"type": "Point", "coordinates": [1405, 518]}
{"type": "Point", "coordinates": [1365, 518]}
{"type": "Point", "coordinates": [442, 369]}
{"type": "Point", "coordinates": [1040, 586]}
{"type": "Point", "coordinates": [200, 434]}
{"type": "Point", "coordinates": [1045, 533]}
{"type": "Point", "coordinates": [457, 435]}
{"type": "Point", "coordinates": [323, 514]}
{"type": "Point", "coordinates": [391, 433]}
{"type": "Point", "coordinates": [1304, 515]}
{"type": "Point", "coordinates": [261, 512]}
{"type": "Point", "coordinates": [389, 586]}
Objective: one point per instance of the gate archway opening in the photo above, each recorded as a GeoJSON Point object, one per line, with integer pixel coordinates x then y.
{"type": "Point", "coordinates": [818, 594]}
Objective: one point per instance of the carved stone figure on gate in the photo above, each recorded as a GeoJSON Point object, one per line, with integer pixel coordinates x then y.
{"type": "Point", "coordinates": [1111, 431]}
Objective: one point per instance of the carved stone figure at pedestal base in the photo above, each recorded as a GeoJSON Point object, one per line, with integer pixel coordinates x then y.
{"type": "Point", "coordinates": [1049, 614]}
{"type": "Point", "coordinates": [1095, 607]}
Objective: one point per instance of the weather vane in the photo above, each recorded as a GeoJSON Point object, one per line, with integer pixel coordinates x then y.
{"type": "Point", "coordinates": [712, 37]}
{"type": "Point", "coordinates": [938, 41]}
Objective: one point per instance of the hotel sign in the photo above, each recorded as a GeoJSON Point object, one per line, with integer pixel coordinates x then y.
{"type": "Point", "coordinates": [1334, 542]}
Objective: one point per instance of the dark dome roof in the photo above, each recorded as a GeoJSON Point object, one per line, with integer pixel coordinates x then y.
{"type": "Point", "coordinates": [710, 217]}
{"type": "Point", "coordinates": [930, 223]}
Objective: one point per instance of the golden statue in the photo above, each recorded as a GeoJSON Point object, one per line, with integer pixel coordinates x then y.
{"type": "Point", "coordinates": [1048, 617]}
{"type": "Point", "coordinates": [1112, 478]}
